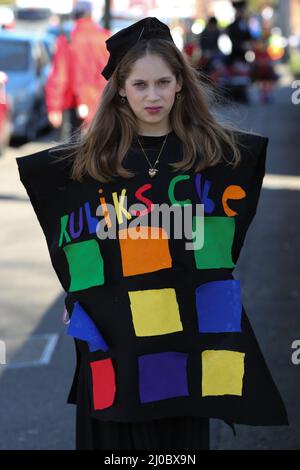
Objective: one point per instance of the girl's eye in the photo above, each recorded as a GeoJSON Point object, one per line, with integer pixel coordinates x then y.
{"type": "Point", "coordinates": [142, 84]}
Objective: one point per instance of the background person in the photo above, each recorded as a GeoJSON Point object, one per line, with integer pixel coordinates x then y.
{"type": "Point", "coordinates": [75, 83]}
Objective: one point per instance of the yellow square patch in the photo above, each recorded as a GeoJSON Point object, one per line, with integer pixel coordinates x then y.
{"type": "Point", "coordinates": [155, 312]}
{"type": "Point", "coordinates": [222, 372]}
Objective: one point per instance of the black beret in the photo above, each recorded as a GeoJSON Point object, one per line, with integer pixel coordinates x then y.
{"type": "Point", "coordinates": [121, 42]}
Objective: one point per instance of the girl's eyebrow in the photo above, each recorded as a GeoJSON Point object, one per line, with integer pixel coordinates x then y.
{"type": "Point", "coordinates": [141, 80]}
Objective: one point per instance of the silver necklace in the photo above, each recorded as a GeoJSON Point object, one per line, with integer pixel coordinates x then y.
{"type": "Point", "coordinates": [152, 170]}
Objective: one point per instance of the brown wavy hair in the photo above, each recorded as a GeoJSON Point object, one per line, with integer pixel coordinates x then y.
{"type": "Point", "coordinates": [100, 150]}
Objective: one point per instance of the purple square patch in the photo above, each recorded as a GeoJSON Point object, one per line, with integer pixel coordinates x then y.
{"type": "Point", "coordinates": [163, 375]}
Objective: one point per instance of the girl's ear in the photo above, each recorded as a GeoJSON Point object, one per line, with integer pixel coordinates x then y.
{"type": "Point", "coordinates": [179, 84]}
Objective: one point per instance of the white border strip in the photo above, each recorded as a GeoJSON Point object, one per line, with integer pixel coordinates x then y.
{"type": "Point", "coordinates": [281, 182]}
{"type": "Point", "coordinates": [46, 356]}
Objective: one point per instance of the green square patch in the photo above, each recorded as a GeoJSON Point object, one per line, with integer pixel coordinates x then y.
{"type": "Point", "coordinates": [86, 265]}
{"type": "Point", "coordinates": [218, 239]}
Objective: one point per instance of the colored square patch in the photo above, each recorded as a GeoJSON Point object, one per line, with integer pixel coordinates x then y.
{"type": "Point", "coordinates": [222, 372]}
{"type": "Point", "coordinates": [150, 252]}
{"type": "Point", "coordinates": [218, 239]}
{"type": "Point", "coordinates": [82, 327]}
{"type": "Point", "coordinates": [163, 375]}
{"type": "Point", "coordinates": [155, 312]}
{"type": "Point", "coordinates": [85, 265]}
{"type": "Point", "coordinates": [219, 306]}
{"type": "Point", "coordinates": [104, 383]}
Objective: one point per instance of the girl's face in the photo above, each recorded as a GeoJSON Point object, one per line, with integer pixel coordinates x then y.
{"type": "Point", "coordinates": [151, 84]}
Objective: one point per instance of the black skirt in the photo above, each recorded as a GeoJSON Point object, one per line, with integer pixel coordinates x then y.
{"type": "Point", "coordinates": [176, 433]}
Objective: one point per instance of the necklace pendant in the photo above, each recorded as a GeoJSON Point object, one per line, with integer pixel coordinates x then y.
{"type": "Point", "coordinates": [152, 172]}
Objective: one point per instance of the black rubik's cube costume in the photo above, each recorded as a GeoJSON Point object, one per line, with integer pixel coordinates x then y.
{"type": "Point", "coordinates": [160, 330]}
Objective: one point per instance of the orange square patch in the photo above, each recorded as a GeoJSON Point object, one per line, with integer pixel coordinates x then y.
{"type": "Point", "coordinates": [144, 250]}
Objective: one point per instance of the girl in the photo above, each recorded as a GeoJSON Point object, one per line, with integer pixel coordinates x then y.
{"type": "Point", "coordinates": [162, 339]}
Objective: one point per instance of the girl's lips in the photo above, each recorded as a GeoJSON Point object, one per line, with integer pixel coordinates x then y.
{"type": "Point", "coordinates": [153, 110]}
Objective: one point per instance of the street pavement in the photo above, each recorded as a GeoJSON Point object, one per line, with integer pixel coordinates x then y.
{"type": "Point", "coordinates": [33, 412]}
{"type": "Point", "coordinates": [34, 384]}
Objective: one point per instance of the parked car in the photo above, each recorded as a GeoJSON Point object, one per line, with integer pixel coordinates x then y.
{"type": "Point", "coordinates": [25, 60]}
{"type": "Point", "coordinates": [5, 124]}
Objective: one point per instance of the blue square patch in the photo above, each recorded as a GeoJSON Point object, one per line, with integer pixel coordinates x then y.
{"type": "Point", "coordinates": [219, 307]}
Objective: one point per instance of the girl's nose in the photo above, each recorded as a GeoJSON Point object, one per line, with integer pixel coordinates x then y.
{"type": "Point", "coordinates": [152, 93]}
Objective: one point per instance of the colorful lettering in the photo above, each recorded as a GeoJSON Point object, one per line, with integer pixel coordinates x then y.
{"type": "Point", "coordinates": [145, 200]}
{"type": "Point", "coordinates": [232, 192]}
{"type": "Point", "coordinates": [119, 206]}
{"type": "Point", "coordinates": [63, 230]}
{"type": "Point", "coordinates": [171, 191]}
{"type": "Point", "coordinates": [209, 204]}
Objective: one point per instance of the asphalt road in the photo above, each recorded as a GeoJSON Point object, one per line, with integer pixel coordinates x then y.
{"type": "Point", "coordinates": [33, 409]}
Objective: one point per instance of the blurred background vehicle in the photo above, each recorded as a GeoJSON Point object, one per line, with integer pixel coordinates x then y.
{"type": "Point", "coordinates": [5, 124]}
{"type": "Point", "coordinates": [33, 9]}
{"type": "Point", "coordinates": [55, 27]}
{"type": "Point", "coordinates": [7, 17]}
{"type": "Point", "coordinates": [25, 60]}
